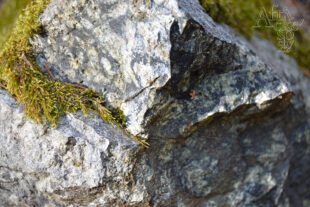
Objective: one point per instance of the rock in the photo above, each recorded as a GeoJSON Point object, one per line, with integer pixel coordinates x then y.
{"type": "Point", "coordinates": [79, 155]}
{"type": "Point", "coordinates": [148, 61]}
{"type": "Point", "coordinates": [227, 119]}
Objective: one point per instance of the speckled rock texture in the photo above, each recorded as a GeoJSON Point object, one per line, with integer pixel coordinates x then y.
{"type": "Point", "coordinates": [227, 119]}
{"type": "Point", "coordinates": [148, 58]}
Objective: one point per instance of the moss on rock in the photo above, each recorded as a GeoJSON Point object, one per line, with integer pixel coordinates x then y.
{"type": "Point", "coordinates": [44, 98]}
{"type": "Point", "coordinates": [260, 16]}
{"type": "Point", "coordinates": [9, 12]}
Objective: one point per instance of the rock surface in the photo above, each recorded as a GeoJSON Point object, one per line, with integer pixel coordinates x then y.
{"type": "Point", "coordinates": [148, 61]}
{"type": "Point", "coordinates": [226, 118]}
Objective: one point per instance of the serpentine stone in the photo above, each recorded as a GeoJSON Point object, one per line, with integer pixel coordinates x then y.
{"type": "Point", "coordinates": [227, 119]}
{"type": "Point", "coordinates": [148, 61]}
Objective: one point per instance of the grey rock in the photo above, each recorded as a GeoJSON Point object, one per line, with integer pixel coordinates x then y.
{"type": "Point", "coordinates": [81, 154]}
{"type": "Point", "coordinates": [148, 60]}
{"type": "Point", "coordinates": [227, 118]}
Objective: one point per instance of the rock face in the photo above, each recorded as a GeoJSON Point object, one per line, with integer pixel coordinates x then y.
{"type": "Point", "coordinates": [226, 118]}
{"type": "Point", "coordinates": [148, 60]}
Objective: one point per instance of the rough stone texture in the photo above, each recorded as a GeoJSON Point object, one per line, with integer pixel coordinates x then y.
{"type": "Point", "coordinates": [227, 119]}
{"type": "Point", "coordinates": [148, 60]}
{"type": "Point", "coordinates": [81, 155]}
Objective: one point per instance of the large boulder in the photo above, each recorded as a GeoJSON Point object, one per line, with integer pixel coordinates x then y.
{"type": "Point", "coordinates": [226, 118]}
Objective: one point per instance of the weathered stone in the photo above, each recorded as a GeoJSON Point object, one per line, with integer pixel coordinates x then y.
{"type": "Point", "coordinates": [81, 154]}
{"type": "Point", "coordinates": [148, 61]}
{"type": "Point", "coordinates": [227, 119]}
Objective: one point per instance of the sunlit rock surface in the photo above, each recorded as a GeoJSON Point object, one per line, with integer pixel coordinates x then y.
{"type": "Point", "coordinates": [149, 59]}
{"type": "Point", "coordinates": [226, 119]}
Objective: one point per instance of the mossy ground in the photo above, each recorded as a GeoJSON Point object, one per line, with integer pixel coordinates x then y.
{"type": "Point", "coordinates": [44, 99]}
{"type": "Point", "coordinates": [249, 16]}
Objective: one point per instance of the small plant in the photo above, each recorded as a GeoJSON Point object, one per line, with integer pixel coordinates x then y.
{"type": "Point", "coordinates": [119, 117]}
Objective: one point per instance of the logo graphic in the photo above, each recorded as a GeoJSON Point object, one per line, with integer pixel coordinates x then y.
{"type": "Point", "coordinates": [278, 26]}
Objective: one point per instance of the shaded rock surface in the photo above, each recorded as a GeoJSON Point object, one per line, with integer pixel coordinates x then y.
{"type": "Point", "coordinates": [226, 118]}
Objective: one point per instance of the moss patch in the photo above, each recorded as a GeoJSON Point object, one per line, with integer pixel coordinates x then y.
{"type": "Point", "coordinates": [44, 99]}
{"type": "Point", "coordinates": [262, 17]}
{"type": "Point", "coordinates": [8, 15]}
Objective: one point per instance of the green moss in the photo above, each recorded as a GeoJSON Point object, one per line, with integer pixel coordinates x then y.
{"type": "Point", "coordinates": [262, 17]}
{"type": "Point", "coordinates": [119, 117]}
{"type": "Point", "coordinates": [9, 13]}
{"type": "Point", "coordinates": [44, 99]}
